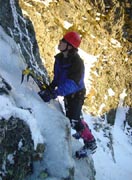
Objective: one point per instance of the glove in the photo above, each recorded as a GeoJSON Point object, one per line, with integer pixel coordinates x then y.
{"type": "Point", "coordinates": [44, 95]}
{"type": "Point", "coordinates": [52, 86]}
{"type": "Point", "coordinates": [53, 94]}
{"type": "Point", "coordinates": [47, 95]}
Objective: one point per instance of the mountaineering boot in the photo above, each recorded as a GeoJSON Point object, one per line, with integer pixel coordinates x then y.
{"type": "Point", "coordinates": [87, 149]}
{"type": "Point", "coordinates": [77, 135]}
{"type": "Point", "coordinates": [89, 141]}
{"type": "Point", "coordinates": [91, 145]}
{"type": "Point", "coordinates": [82, 153]}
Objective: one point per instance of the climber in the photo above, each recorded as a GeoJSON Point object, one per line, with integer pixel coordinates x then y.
{"type": "Point", "coordinates": [68, 81]}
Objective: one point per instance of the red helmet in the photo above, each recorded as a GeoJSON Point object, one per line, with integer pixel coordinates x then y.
{"type": "Point", "coordinates": [73, 38]}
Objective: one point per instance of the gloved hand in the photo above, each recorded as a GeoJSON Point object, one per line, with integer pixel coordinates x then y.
{"type": "Point", "coordinates": [53, 94]}
{"type": "Point", "coordinates": [47, 95]}
{"type": "Point", "coordinates": [44, 95]}
{"type": "Point", "coordinates": [52, 86]}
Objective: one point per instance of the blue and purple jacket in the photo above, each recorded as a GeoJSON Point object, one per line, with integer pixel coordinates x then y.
{"type": "Point", "coordinates": [68, 74]}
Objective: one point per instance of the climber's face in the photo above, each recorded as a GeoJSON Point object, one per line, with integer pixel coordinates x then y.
{"type": "Point", "coordinates": [62, 45]}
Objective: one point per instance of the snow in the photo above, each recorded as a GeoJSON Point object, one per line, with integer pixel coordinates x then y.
{"type": "Point", "coordinates": [45, 2]}
{"type": "Point", "coordinates": [89, 61]}
{"type": "Point", "coordinates": [105, 166]}
{"type": "Point", "coordinates": [67, 25]}
{"type": "Point", "coordinates": [10, 158]}
{"type": "Point", "coordinates": [111, 92]}
{"type": "Point", "coordinates": [115, 43]}
{"type": "Point", "coordinates": [43, 119]}
{"type": "Point", "coordinates": [47, 123]}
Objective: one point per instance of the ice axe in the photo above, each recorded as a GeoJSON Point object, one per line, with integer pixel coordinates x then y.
{"type": "Point", "coordinates": [38, 79]}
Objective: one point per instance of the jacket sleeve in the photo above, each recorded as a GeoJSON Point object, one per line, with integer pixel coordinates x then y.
{"type": "Point", "coordinates": [68, 87]}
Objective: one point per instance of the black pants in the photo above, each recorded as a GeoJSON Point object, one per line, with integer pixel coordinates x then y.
{"type": "Point", "coordinates": [73, 106]}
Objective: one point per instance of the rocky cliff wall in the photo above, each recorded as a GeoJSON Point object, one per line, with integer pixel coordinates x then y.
{"type": "Point", "coordinates": [22, 31]}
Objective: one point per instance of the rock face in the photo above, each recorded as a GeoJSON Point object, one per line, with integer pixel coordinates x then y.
{"type": "Point", "coordinates": [105, 27]}
{"type": "Point", "coordinates": [16, 144]}
{"type": "Point", "coordinates": [16, 149]}
{"type": "Point", "coordinates": [22, 31]}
